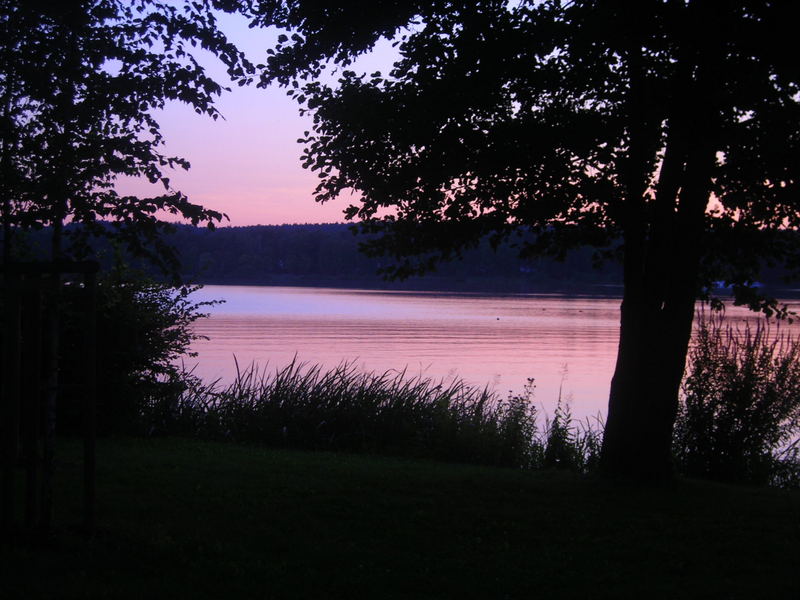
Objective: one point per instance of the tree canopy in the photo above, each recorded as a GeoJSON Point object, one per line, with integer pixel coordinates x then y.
{"type": "Point", "coordinates": [547, 115]}
{"type": "Point", "coordinates": [663, 131]}
{"type": "Point", "coordinates": [80, 83]}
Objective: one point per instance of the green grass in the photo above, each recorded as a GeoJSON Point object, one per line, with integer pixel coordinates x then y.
{"type": "Point", "coordinates": [190, 519]}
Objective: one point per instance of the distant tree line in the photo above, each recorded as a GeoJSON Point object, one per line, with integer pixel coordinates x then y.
{"type": "Point", "coordinates": [330, 254]}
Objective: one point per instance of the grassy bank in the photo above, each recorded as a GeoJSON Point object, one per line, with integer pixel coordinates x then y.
{"type": "Point", "coordinates": [190, 519]}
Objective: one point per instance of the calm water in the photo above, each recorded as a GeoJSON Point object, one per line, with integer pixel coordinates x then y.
{"type": "Point", "coordinates": [500, 341]}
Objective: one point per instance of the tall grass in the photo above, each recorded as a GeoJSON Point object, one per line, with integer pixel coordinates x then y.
{"type": "Point", "coordinates": [739, 416]}
{"type": "Point", "coordinates": [304, 406]}
{"type": "Point", "coordinates": [738, 419]}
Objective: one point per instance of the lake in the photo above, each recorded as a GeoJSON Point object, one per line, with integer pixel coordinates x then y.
{"type": "Point", "coordinates": [567, 344]}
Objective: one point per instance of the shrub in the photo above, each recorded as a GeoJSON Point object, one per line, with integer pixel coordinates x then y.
{"type": "Point", "coordinates": [739, 415]}
{"type": "Point", "coordinates": [143, 328]}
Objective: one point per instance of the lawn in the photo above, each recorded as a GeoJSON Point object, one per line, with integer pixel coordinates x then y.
{"type": "Point", "coordinates": [187, 519]}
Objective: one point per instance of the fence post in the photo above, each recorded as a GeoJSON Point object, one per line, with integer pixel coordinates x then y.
{"type": "Point", "coordinates": [31, 393]}
{"type": "Point", "coordinates": [11, 394]}
{"type": "Point", "coordinates": [90, 401]}
{"type": "Point", "coordinates": [50, 377]}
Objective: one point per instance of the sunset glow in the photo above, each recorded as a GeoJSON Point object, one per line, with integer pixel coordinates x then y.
{"type": "Point", "coordinates": [247, 165]}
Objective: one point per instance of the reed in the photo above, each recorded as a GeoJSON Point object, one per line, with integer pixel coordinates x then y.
{"type": "Point", "coordinates": [739, 415]}
{"type": "Point", "coordinates": [390, 412]}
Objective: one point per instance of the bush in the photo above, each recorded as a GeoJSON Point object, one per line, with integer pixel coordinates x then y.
{"type": "Point", "coordinates": [739, 415]}
{"type": "Point", "coordinates": [143, 328]}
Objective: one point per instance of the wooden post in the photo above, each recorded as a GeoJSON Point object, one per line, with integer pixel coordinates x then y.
{"type": "Point", "coordinates": [31, 393]}
{"type": "Point", "coordinates": [90, 402]}
{"type": "Point", "coordinates": [11, 395]}
{"type": "Point", "coordinates": [50, 377]}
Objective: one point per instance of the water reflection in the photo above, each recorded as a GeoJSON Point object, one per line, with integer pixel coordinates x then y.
{"type": "Point", "coordinates": [498, 341]}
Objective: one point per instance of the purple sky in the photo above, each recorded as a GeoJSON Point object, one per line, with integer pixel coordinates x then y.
{"type": "Point", "coordinates": [248, 165]}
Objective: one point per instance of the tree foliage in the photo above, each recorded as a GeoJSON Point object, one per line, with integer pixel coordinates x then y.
{"type": "Point", "coordinates": [81, 82]}
{"type": "Point", "coordinates": [553, 116]}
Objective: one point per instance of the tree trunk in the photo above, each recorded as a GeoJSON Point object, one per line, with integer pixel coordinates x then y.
{"type": "Point", "coordinates": [655, 328]}
{"type": "Point", "coordinates": [656, 322]}
{"type": "Point", "coordinates": [643, 397]}
{"type": "Point", "coordinates": [644, 389]}
{"type": "Point", "coordinates": [662, 264]}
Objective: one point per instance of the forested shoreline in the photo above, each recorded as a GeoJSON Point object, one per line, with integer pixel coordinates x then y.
{"type": "Point", "coordinates": [328, 254]}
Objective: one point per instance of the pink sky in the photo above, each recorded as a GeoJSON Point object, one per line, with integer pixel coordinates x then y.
{"type": "Point", "coordinates": [247, 165]}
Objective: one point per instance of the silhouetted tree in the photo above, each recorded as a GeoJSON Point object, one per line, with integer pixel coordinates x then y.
{"type": "Point", "coordinates": [80, 83]}
{"type": "Point", "coordinates": [666, 130]}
